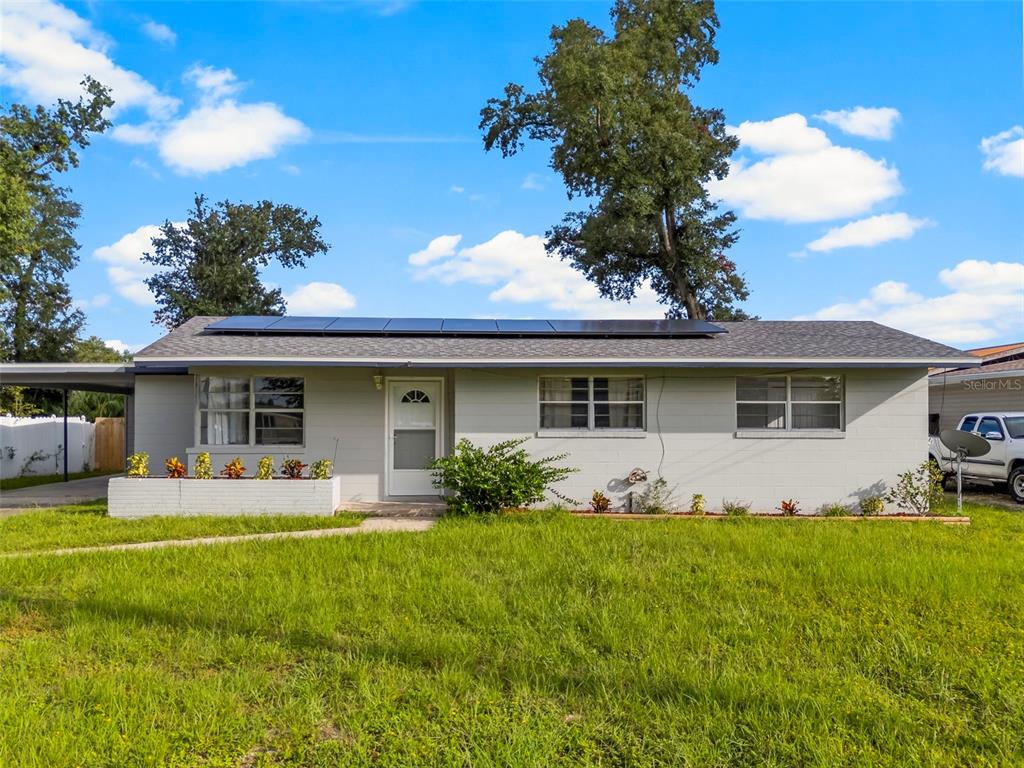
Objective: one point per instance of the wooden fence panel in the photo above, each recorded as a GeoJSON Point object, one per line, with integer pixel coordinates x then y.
{"type": "Point", "coordinates": [110, 444]}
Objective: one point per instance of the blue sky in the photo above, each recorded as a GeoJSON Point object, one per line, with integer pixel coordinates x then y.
{"type": "Point", "coordinates": [907, 210]}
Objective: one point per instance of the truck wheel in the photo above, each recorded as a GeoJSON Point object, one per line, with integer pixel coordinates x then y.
{"type": "Point", "coordinates": [1017, 485]}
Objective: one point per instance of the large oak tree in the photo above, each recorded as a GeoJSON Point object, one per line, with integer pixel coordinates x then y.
{"type": "Point", "coordinates": [38, 320]}
{"type": "Point", "coordinates": [211, 264]}
{"type": "Point", "coordinates": [625, 135]}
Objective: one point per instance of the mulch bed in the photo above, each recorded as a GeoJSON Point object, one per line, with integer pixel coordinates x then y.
{"type": "Point", "coordinates": [945, 519]}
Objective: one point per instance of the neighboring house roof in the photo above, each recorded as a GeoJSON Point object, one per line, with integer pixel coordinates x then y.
{"type": "Point", "coordinates": [1004, 370]}
{"type": "Point", "coordinates": [750, 343]}
{"type": "Point", "coordinates": [999, 351]}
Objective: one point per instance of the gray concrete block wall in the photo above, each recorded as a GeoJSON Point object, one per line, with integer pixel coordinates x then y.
{"type": "Point", "coordinates": [698, 450]}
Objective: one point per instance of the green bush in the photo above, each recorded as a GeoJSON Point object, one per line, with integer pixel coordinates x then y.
{"type": "Point", "coordinates": [204, 466]}
{"type": "Point", "coordinates": [265, 468]}
{"type": "Point", "coordinates": [917, 489]}
{"type": "Point", "coordinates": [872, 505]}
{"type": "Point", "coordinates": [834, 509]}
{"type": "Point", "coordinates": [655, 499]}
{"type": "Point", "coordinates": [321, 469]}
{"type": "Point", "coordinates": [138, 464]}
{"type": "Point", "coordinates": [735, 508]}
{"type": "Point", "coordinates": [697, 504]}
{"type": "Point", "coordinates": [488, 480]}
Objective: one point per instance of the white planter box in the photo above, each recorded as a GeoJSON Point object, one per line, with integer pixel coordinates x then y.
{"type": "Point", "coordinates": [146, 496]}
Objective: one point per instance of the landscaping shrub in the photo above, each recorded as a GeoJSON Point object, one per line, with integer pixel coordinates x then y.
{"type": "Point", "coordinates": [321, 469]}
{"type": "Point", "coordinates": [599, 503]}
{"type": "Point", "coordinates": [234, 469]}
{"type": "Point", "coordinates": [292, 468]}
{"type": "Point", "coordinates": [204, 466]}
{"type": "Point", "coordinates": [175, 469]}
{"type": "Point", "coordinates": [872, 505]}
{"type": "Point", "coordinates": [138, 464]}
{"type": "Point", "coordinates": [834, 509]}
{"type": "Point", "coordinates": [487, 480]}
{"type": "Point", "coordinates": [265, 468]}
{"type": "Point", "coordinates": [735, 508]}
{"type": "Point", "coordinates": [788, 507]}
{"type": "Point", "coordinates": [654, 499]}
{"type": "Point", "coordinates": [697, 504]}
{"type": "Point", "coordinates": [917, 489]}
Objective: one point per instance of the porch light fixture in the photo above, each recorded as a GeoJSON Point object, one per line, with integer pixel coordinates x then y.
{"type": "Point", "coordinates": [378, 382]}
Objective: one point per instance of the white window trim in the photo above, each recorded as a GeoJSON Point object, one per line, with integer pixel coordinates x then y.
{"type": "Point", "coordinates": [789, 430]}
{"type": "Point", "coordinates": [252, 417]}
{"type": "Point", "coordinates": [590, 430]}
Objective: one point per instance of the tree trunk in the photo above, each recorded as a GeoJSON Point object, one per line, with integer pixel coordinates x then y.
{"type": "Point", "coordinates": [684, 291]}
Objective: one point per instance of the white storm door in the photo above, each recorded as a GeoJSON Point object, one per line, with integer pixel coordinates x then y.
{"type": "Point", "coordinates": [414, 435]}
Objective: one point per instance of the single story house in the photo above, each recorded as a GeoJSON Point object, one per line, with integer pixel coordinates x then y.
{"type": "Point", "coordinates": [995, 383]}
{"type": "Point", "coordinates": [754, 411]}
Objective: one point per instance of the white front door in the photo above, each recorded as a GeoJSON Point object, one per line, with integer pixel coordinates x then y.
{"type": "Point", "coordinates": [414, 435]}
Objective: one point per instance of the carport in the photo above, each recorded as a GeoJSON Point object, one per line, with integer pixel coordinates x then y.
{"type": "Point", "coordinates": [114, 378]}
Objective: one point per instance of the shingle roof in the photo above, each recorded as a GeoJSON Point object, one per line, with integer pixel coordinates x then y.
{"type": "Point", "coordinates": [768, 340]}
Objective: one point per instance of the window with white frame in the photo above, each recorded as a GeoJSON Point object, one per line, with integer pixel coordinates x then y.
{"type": "Point", "coordinates": [789, 402]}
{"type": "Point", "coordinates": [257, 410]}
{"type": "Point", "coordinates": [592, 402]}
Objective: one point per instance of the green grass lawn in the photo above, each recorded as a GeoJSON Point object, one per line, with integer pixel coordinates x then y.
{"type": "Point", "coordinates": [14, 483]}
{"type": "Point", "coordinates": [541, 640]}
{"type": "Point", "coordinates": [85, 525]}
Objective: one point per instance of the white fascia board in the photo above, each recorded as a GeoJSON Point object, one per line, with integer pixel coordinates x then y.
{"type": "Point", "coordinates": [608, 362]}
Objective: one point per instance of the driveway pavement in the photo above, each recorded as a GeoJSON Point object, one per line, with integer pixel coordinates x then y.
{"type": "Point", "coordinates": [55, 494]}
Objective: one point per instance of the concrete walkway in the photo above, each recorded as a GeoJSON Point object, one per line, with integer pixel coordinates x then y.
{"type": "Point", "coordinates": [55, 494]}
{"type": "Point", "coordinates": [370, 525]}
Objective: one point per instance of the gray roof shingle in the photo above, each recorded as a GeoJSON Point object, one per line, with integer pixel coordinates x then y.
{"type": "Point", "coordinates": [774, 341]}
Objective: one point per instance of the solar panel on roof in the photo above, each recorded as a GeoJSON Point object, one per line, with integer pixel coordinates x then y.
{"type": "Point", "coordinates": [461, 326]}
{"type": "Point", "coordinates": [413, 325]}
{"type": "Point", "coordinates": [524, 326]}
{"type": "Point", "coordinates": [243, 323]}
{"type": "Point", "coordinates": [469, 326]}
{"type": "Point", "coordinates": [357, 325]}
{"type": "Point", "coordinates": [300, 324]}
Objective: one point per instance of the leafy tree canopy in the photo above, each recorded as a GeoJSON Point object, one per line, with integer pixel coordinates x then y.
{"type": "Point", "coordinates": [625, 134]}
{"type": "Point", "coordinates": [211, 264]}
{"type": "Point", "coordinates": [95, 350]}
{"type": "Point", "coordinates": [37, 221]}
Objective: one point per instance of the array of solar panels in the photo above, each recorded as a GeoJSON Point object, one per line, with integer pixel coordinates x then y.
{"type": "Point", "coordinates": [427, 326]}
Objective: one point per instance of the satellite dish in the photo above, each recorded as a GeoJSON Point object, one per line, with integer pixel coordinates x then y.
{"type": "Point", "coordinates": [964, 445]}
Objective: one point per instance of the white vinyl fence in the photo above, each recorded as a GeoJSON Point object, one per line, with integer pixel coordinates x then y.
{"type": "Point", "coordinates": [35, 445]}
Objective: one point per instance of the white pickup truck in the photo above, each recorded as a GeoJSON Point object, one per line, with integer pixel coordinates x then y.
{"type": "Point", "coordinates": [1003, 465]}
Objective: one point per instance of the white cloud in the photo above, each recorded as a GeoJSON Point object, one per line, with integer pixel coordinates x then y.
{"type": "Point", "coordinates": [521, 272]}
{"type": "Point", "coordinates": [985, 300]}
{"type": "Point", "coordinates": [291, 169]}
{"type": "Point", "coordinates": [213, 84]}
{"type": "Point", "coordinates": [220, 133]}
{"type": "Point", "coordinates": [789, 134]}
{"type": "Point", "coordinates": [869, 122]}
{"type": "Point", "coordinates": [46, 50]}
{"type": "Point", "coordinates": [1004, 152]}
{"type": "Point", "coordinates": [318, 298]}
{"type": "Point", "coordinates": [142, 133]}
{"type": "Point", "coordinates": [97, 301]}
{"type": "Point", "coordinates": [870, 231]}
{"type": "Point", "coordinates": [456, 189]}
{"type": "Point", "coordinates": [120, 346]}
{"type": "Point", "coordinates": [159, 33]}
{"type": "Point", "coordinates": [227, 135]}
{"type": "Point", "coordinates": [125, 268]}
{"type": "Point", "coordinates": [533, 181]}
{"type": "Point", "coordinates": [805, 177]}
{"type": "Point", "coordinates": [438, 248]}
